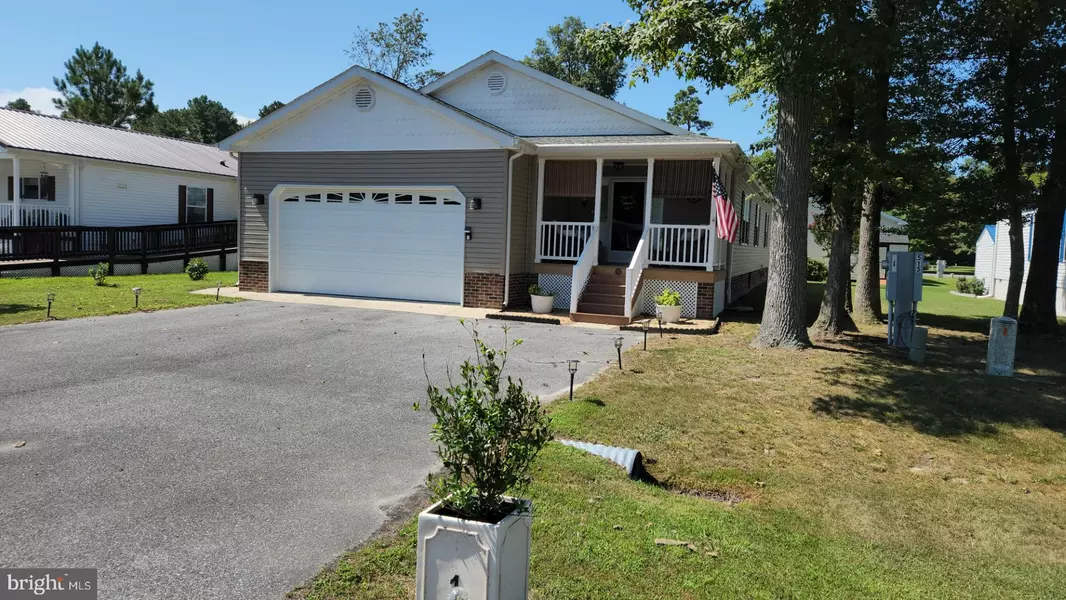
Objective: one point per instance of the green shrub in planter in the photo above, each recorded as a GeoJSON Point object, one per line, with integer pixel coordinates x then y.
{"type": "Point", "coordinates": [197, 269]}
{"type": "Point", "coordinates": [536, 290]}
{"type": "Point", "coordinates": [816, 270]}
{"type": "Point", "coordinates": [488, 432]}
{"type": "Point", "coordinates": [99, 272]}
{"type": "Point", "coordinates": [668, 297]}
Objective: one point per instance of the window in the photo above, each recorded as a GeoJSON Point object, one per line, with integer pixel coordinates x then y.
{"type": "Point", "coordinates": [427, 199]}
{"type": "Point", "coordinates": [381, 198]}
{"type": "Point", "coordinates": [30, 188]}
{"type": "Point", "coordinates": [292, 199]}
{"type": "Point", "coordinates": [334, 197]}
{"type": "Point", "coordinates": [356, 197]}
{"type": "Point", "coordinates": [195, 205]}
{"type": "Point", "coordinates": [312, 197]}
{"type": "Point", "coordinates": [404, 199]}
{"type": "Point", "coordinates": [451, 202]}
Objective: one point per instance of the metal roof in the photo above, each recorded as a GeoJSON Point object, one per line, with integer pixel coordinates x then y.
{"type": "Point", "coordinates": [22, 130]}
{"type": "Point", "coordinates": [622, 140]}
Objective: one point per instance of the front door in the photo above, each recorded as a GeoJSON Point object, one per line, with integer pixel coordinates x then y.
{"type": "Point", "coordinates": [626, 220]}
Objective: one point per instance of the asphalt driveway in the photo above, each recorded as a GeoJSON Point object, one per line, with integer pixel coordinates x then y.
{"type": "Point", "coordinates": [228, 451]}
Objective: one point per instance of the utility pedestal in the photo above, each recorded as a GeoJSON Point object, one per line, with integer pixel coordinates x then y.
{"type": "Point", "coordinates": [1002, 338]}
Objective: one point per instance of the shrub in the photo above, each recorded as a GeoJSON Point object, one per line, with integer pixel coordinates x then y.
{"type": "Point", "coordinates": [816, 270]}
{"type": "Point", "coordinates": [487, 432]}
{"type": "Point", "coordinates": [99, 272]}
{"type": "Point", "coordinates": [668, 297]}
{"type": "Point", "coordinates": [197, 269]}
{"type": "Point", "coordinates": [962, 285]}
{"type": "Point", "coordinates": [536, 290]}
{"type": "Point", "coordinates": [977, 287]}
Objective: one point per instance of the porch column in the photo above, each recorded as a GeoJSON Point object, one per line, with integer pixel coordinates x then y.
{"type": "Point", "coordinates": [540, 205]}
{"type": "Point", "coordinates": [16, 190]}
{"type": "Point", "coordinates": [713, 258]}
{"type": "Point", "coordinates": [72, 209]}
{"type": "Point", "coordinates": [596, 213]}
{"type": "Point", "coordinates": [648, 192]}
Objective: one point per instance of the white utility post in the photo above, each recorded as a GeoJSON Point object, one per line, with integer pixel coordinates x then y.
{"type": "Point", "coordinates": [16, 190]}
{"type": "Point", "coordinates": [595, 239]}
{"type": "Point", "coordinates": [540, 204]}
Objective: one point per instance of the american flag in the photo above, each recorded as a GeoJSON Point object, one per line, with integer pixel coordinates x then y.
{"type": "Point", "coordinates": [728, 223]}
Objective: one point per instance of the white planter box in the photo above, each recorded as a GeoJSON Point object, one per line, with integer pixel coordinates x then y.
{"type": "Point", "coordinates": [671, 314]}
{"type": "Point", "coordinates": [490, 561]}
{"type": "Point", "coordinates": [542, 304]}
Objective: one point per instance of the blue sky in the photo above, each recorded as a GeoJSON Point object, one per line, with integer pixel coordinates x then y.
{"type": "Point", "coordinates": [247, 54]}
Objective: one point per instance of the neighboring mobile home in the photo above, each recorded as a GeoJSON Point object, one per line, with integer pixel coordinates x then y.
{"type": "Point", "coordinates": [891, 239]}
{"type": "Point", "coordinates": [491, 178]}
{"type": "Point", "coordinates": [993, 260]}
{"type": "Point", "coordinates": [66, 172]}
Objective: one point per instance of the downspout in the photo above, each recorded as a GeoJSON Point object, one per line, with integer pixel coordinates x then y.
{"type": "Point", "coordinates": [507, 244]}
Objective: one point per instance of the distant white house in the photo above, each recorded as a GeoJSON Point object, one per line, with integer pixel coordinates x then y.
{"type": "Point", "coordinates": [993, 260]}
{"type": "Point", "coordinates": [64, 172]}
{"type": "Point", "coordinates": [891, 240]}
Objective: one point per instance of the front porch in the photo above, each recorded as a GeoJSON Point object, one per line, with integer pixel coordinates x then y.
{"type": "Point", "coordinates": [39, 192]}
{"type": "Point", "coordinates": [633, 215]}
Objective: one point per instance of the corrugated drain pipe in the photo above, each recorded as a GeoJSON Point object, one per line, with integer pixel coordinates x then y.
{"type": "Point", "coordinates": [507, 244]}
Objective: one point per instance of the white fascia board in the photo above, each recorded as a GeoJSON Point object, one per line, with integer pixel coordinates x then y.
{"type": "Point", "coordinates": [309, 99]}
{"type": "Point", "coordinates": [703, 150]}
{"type": "Point", "coordinates": [493, 56]}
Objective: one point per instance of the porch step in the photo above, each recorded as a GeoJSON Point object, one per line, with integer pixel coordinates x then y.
{"type": "Point", "coordinates": [609, 299]}
{"type": "Point", "coordinates": [583, 317]}
{"type": "Point", "coordinates": [601, 309]}
{"type": "Point", "coordinates": [605, 289]}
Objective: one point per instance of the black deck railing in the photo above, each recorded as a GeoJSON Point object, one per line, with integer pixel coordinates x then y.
{"type": "Point", "coordinates": [111, 243]}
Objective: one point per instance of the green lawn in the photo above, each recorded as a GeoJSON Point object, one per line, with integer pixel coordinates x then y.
{"type": "Point", "coordinates": [861, 475]}
{"type": "Point", "coordinates": [24, 300]}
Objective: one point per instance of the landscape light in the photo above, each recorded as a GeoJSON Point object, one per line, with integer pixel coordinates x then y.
{"type": "Point", "coordinates": [571, 365]}
{"type": "Point", "coordinates": [618, 346]}
{"type": "Point", "coordinates": [644, 325]}
{"type": "Point", "coordinates": [136, 297]}
{"type": "Point", "coordinates": [218, 288]}
{"type": "Point", "coordinates": [51, 298]}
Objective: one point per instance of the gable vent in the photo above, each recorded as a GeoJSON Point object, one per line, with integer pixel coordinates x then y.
{"type": "Point", "coordinates": [497, 82]}
{"type": "Point", "coordinates": [363, 98]}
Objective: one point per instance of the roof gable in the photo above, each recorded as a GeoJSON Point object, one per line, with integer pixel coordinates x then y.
{"type": "Point", "coordinates": [532, 103]}
{"type": "Point", "coordinates": [327, 119]}
{"type": "Point", "coordinates": [21, 130]}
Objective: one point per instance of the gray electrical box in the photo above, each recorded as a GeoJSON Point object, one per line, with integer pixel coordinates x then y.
{"type": "Point", "coordinates": [903, 289]}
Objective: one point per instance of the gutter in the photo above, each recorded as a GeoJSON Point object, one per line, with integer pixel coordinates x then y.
{"type": "Point", "coordinates": [507, 216]}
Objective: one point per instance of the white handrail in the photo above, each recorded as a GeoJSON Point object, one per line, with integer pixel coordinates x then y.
{"type": "Point", "coordinates": [636, 267]}
{"type": "Point", "coordinates": [680, 245]}
{"type": "Point", "coordinates": [583, 270]}
{"type": "Point", "coordinates": [561, 240]}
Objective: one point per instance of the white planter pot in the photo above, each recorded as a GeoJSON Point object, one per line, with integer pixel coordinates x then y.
{"type": "Point", "coordinates": [671, 314]}
{"type": "Point", "coordinates": [489, 561]}
{"type": "Point", "coordinates": [542, 304]}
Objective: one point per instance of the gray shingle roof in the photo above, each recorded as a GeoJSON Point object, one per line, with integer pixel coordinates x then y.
{"type": "Point", "coordinates": [43, 133]}
{"type": "Point", "coordinates": [613, 140]}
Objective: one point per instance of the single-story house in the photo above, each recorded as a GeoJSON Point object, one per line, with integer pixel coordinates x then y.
{"type": "Point", "coordinates": [891, 239]}
{"type": "Point", "coordinates": [993, 259]}
{"type": "Point", "coordinates": [65, 172]}
{"type": "Point", "coordinates": [489, 179]}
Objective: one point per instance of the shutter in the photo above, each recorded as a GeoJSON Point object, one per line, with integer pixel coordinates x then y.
{"type": "Point", "coordinates": [181, 205]}
{"type": "Point", "coordinates": [10, 187]}
{"type": "Point", "coordinates": [49, 192]}
{"type": "Point", "coordinates": [210, 205]}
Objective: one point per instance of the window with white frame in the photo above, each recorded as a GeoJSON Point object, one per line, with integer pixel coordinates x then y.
{"type": "Point", "coordinates": [30, 188]}
{"type": "Point", "coordinates": [195, 205]}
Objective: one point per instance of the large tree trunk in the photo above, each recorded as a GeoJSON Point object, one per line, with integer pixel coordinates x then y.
{"type": "Point", "coordinates": [868, 270]}
{"type": "Point", "coordinates": [1038, 312]}
{"type": "Point", "coordinates": [785, 313]}
{"type": "Point", "coordinates": [1012, 171]}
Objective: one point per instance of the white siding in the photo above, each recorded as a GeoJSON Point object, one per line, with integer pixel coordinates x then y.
{"type": "Point", "coordinates": [529, 107]}
{"type": "Point", "coordinates": [121, 195]}
{"type": "Point", "coordinates": [983, 262]}
{"type": "Point", "coordinates": [753, 255]}
{"type": "Point", "coordinates": [34, 168]}
{"type": "Point", "coordinates": [394, 123]}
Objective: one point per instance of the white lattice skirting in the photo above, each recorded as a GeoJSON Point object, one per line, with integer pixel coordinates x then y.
{"type": "Point", "coordinates": [654, 287]}
{"type": "Point", "coordinates": [558, 284]}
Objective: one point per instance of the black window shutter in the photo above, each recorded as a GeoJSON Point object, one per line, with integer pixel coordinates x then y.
{"type": "Point", "coordinates": [210, 205]}
{"type": "Point", "coordinates": [49, 188]}
{"type": "Point", "coordinates": [181, 204]}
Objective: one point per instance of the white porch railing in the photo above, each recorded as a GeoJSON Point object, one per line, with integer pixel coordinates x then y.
{"type": "Point", "coordinates": [35, 214]}
{"type": "Point", "coordinates": [562, 240]}
{"type": "Point", "coordinates": [680, 245]}
{"type": "Point", "coordinates": [633, 272]}
{"type": "Point", "coordinates": [583, 270]}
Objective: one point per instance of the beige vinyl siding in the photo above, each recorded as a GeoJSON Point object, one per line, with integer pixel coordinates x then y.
{"type": "Point", "coordinates": [477, 174]}
{"type": "Point", "coordinates": [523, 214]}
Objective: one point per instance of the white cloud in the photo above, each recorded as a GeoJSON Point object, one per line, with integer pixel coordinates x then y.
{"type": "Point", "coordinates": [243, 120]}
{"type": "Point", "coordinates": [40, 98]}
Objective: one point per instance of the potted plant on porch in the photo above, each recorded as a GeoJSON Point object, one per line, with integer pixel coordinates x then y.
{"type": "Point", "coordinates": [542, 301]}
{"type": "Point", "coordinates": [474, 542]}
{"type": "Point", "coordinates": [668, 304]}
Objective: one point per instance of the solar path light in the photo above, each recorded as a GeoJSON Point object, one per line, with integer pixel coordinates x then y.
{"type": "Point", "coordinates": [618, 346]}
{"type": "Point", "coordinates": [571, 366]}
{"type": "Point", "coordinates": [136, 297]}
{"type": "Point", "coordinates": [51, 299]}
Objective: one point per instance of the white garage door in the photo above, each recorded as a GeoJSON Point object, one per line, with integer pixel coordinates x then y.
{"type": "Point", "coordinates": [402, 243]}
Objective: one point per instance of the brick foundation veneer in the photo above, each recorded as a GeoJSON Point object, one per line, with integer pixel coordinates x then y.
{"type": "Point", "coordinates": [252, 275]}
{"type": "Point", "coordinates": [705, 301]}
{"type": "Point", "coordinates": [519, 292]}
{"type": "Point", "coordinates": [742, 284]}
{"type": "Point", "coordinates": [483, 290]}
